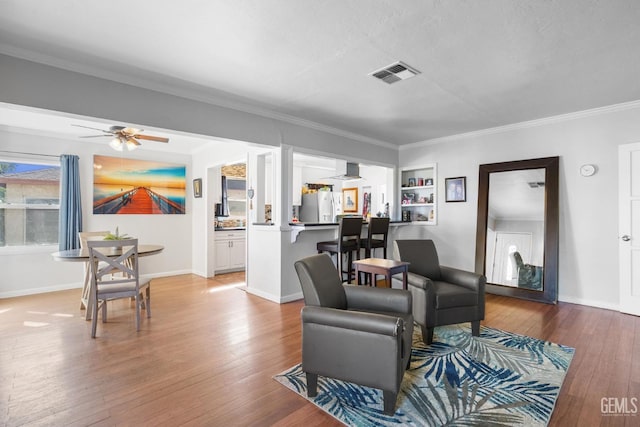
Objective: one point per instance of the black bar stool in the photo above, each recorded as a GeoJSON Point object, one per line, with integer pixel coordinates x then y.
{"type": "Point", "coordinates": [347, 243]}
{"type": "Point", "coordinates": [376, 238]}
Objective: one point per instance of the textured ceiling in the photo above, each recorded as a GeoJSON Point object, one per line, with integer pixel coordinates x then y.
{"type": "Point", "coordinates": [483, 63]}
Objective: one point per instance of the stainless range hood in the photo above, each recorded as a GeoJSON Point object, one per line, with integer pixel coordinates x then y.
{"type": "Point", "coordinates": [347, 170]}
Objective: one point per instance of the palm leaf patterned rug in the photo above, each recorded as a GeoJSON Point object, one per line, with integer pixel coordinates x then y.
{"type": "Point", "coordinates": [498, 378]}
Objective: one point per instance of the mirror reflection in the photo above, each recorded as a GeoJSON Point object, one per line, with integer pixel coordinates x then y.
{"type": "Point", "coordinates": [515, 229]}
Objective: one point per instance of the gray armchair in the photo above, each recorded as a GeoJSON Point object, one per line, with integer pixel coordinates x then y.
{"type": "Point", "coordinates": [441, 295]}
{"type": "Point", "coordinates": [353, 333]}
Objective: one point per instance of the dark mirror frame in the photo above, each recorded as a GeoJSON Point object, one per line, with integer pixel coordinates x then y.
{"type": "Point", "coordinates": [549, 294]}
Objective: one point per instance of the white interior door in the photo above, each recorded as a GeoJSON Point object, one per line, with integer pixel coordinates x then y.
{"type": "Point", "coordinates": [629, 227]}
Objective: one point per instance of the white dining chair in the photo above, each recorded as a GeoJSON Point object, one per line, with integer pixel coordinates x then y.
{"type": "Point", "coordinates": [84, 236]}
{"type": "Point", "coordinates": [108, 258]}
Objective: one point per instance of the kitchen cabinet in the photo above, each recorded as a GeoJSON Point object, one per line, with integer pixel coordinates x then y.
{"type": "Point", "coordinates": [237, 197]}
{"type": "Point", "coordinates": [230, 250]}
{"type": "Point", "coordinates": [418, 194]}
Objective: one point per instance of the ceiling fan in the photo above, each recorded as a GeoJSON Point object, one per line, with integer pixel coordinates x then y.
{"type": "Point", "coordinates": [123, 137]}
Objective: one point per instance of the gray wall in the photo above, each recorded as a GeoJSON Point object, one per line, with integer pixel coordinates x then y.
{"type": "Point", "coordinates": [41, 86]}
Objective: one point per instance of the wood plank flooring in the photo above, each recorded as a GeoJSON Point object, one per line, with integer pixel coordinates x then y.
{"type": "Point", "coordinates": [208, 354]}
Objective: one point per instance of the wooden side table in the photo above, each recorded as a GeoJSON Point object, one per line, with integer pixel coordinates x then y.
{"type": "Point", "coordinates": [384, 267]}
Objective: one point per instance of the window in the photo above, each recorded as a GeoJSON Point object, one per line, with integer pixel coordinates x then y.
{"type": "Point", "coordinates": [29, 204]}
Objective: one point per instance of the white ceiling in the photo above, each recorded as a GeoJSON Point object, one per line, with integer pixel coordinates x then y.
{"type": "Point", "coordinates": [483, 63]}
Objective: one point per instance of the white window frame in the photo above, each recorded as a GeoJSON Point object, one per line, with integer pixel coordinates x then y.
{"type": "Point", "coordinates": [28, 249]}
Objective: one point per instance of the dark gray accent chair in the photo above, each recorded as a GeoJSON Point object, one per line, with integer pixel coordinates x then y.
{"type": "Point", "coordinates": [353, 333]}
{"type": "Point", "coordinates": [441, 295]}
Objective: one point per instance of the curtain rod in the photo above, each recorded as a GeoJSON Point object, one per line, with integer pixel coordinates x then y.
{"type": "Point", "coordinates": [30, 154]}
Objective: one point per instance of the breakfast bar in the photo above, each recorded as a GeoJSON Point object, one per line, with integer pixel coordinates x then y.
{"type": "Point", "coordinates": [299, 227]}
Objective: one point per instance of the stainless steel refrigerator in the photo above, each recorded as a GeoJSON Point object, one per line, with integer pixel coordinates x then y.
{"type": "Point", "coordinates": [317, 207]}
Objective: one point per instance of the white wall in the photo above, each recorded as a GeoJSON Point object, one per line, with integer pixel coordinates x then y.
{"type": "Point", "coordinates": [218, 154]}
{"type": "Point", "coordinates": [588, 257]}
{"type": "Point", "coordinates": [36, 271]}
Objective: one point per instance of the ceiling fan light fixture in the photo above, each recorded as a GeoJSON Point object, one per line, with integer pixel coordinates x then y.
{"type": "Point", "coordinates": [124, 137]}
{"type": "Point", "coordinates": [116, 144]}
{"type": "Point", "coordinates": [119, 143]}
{"type": "Point", "coordinates": [131, 144]}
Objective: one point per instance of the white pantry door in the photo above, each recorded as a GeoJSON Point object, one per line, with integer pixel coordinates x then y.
{"type": "Point", "coordinates": [629, 227]}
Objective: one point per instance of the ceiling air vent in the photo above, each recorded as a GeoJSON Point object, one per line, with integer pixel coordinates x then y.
{"type": "Point", "coordinates": [395, 72]}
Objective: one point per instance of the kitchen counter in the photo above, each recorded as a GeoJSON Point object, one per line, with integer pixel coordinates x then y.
{"type": "Point", "coordinates": [299, 227]}
{"type": "Point", "coordinates": [317, 224]}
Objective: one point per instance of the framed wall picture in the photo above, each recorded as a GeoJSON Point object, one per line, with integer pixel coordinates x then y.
{"type": "Point", "coordinates": [456, 189]}
{"type": "Point", "coordinates": [350, 200]}
{"type": "Point", "coordinates": [197, 187]}
{"type": "Point", "coordinates": [123, 186]}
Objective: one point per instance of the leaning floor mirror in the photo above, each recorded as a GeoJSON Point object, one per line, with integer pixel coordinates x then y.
{"type": "Point", "coordinates": [517, 231]}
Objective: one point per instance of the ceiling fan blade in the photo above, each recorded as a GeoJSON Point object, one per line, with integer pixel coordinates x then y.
{"type": "Point", "coordinates": [96, 136]}
{"type": "Point", "coordinates": [88, 127]}
{"type": "Point", "coordinates": [152, 138]}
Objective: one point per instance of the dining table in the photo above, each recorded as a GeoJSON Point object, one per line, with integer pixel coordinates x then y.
{"type": "Point", "coordinates": [82, 255]}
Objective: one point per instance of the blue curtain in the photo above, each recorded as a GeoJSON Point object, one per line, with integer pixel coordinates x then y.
{"type": "Point", "coordinates": [70, 222]}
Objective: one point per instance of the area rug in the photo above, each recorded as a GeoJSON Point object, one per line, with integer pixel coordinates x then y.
{"type": "Point", "coordinates": [498, 378]}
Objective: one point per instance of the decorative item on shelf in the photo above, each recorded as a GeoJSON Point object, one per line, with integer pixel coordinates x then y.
{"type": "Point", "coordinates": [408, 198]}
{"type": "Point", "coordinates": [420, 182]}
{"type": "Point", "coordinates": [406, 216]}
{"type": "Point", "coordinates": [428, 181]}
{"type": "Point", "coordinates": [412, 182]}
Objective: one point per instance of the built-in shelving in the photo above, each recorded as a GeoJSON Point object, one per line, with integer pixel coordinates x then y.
{"type": "Point", "coordinates": [418, 194]}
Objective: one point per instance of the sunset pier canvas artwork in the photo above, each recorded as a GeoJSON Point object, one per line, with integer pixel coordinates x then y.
{"type": "Point", "coordinates": [129, 186]}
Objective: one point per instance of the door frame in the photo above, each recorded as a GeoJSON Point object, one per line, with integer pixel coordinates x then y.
{"type": "Point", "coordinates": [627, 201]}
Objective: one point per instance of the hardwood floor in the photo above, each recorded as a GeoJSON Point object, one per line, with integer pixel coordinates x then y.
{"type": "Point", "coordinates": [208, 354]}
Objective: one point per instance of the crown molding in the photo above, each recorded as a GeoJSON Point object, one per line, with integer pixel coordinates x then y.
{"type": "Point", "coordinates": [199, 93]}
{"type": "Point", "coordinates": [528, 124]}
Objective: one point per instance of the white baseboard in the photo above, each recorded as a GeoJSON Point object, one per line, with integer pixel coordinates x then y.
{"type": "Point", "coordinates": [274, 298]}
{"type": "Point", "coordinates": [78, 285]}
{"type": "Point", "coordinates": [293, 297]}
{"type": "Point", "coordinates": [590, 303]}
{"type": "Point", "coordinates": [45, 289]}
{"type": "Point", "coordinates": [261, 294]}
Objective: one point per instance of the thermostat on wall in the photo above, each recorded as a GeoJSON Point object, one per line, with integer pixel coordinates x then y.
{"type": "Point", "coordinates": [587, 170]}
